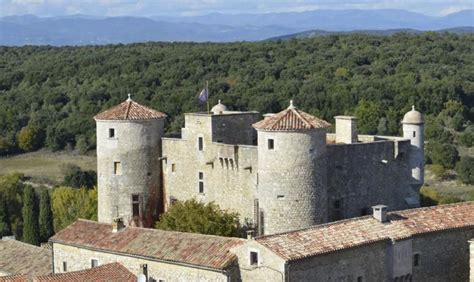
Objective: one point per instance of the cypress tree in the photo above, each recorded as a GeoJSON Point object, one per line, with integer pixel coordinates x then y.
{"type": "Point", "coordinates": [30, 217]}
{"type": "Point", "coordinates": [5, 225]}
{"type": "Point", "coordinates": [45, 217]}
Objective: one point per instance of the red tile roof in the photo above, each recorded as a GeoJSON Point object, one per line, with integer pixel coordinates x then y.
{"type": "Point", "coordinates": [129, 110]}
{"type": "Point", "coordinates": [107, 272]}
{"type": "Point", "coordinates": [289, 120]}
{"type": "Point", "coordinates": [21, 258]}
{"type": "Point", "coordinates": [15, 278]}
{"type": "Point", "coordinates": [349, 233]}
{"type": "Point", "coordinates": [188, 248]}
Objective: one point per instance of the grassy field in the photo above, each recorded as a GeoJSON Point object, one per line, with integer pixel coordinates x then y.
{"type": "Point", "coordinates": [44, 166]}
{"type": "Point", "coordinates": [452, 188]}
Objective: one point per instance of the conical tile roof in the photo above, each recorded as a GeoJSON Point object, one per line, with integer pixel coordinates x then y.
{"type": "Point", "coordinates": [291, 119]}
{"type": "Point", "coordinates": [129, 110]}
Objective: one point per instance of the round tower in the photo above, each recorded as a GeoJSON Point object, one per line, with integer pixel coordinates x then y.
{"type": "Point", "coordinates": [128, 163]}
{"type": "Point", "coordinates": [413, 129]}
{"type": "Point", "coordinates": [292, 171]}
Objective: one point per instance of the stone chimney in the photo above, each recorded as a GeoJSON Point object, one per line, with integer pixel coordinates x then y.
{"type": "Point", "coordinates": [380, 213]}
{"type": "Point", "coordinates": [117, 225]}
{"type": "Point", "coordinates": [250, 234]}
{"type": "Point", "coordinates": [346, 129]}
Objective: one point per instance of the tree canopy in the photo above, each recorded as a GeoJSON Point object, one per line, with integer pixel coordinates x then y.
{"type": "Point", "coordinates": [60, 89]}
{"type": "Point", "coordinates": [193, 216]}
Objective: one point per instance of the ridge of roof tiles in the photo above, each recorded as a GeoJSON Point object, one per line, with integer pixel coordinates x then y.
{"type": "Point", "coordinates": [188, 248]}
{"type": "Point", "coordinates": [107, 272]}
{"type": "Point", "coordinates": [129, 110]}
{"type": "Point", "coordinates": [344, 234]}
{"type": "Point", "coordinates": [291, 119]}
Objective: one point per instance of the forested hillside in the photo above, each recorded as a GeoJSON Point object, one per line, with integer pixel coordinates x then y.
{"type": "Point", "coordinates": [49, 95]}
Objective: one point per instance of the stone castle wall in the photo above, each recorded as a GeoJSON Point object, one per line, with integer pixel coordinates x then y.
{"type": "Point", "coordinates": [229, 172]}
{"type": "Point", "coordinates": [362, 175]}
{"type": "Point", "coordinates": [137, 146]}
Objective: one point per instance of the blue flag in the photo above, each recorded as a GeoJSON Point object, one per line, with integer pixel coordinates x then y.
{"type": "Point", "coordinates": [203, 96]}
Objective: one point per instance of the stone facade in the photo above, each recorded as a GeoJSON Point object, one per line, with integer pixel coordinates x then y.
{"type": "Point", "coordinates": [291, 179]}
{"type": "Point", "coordinates": [128, 165]}
{"type": "Point", "coordinates": [443, 256]}
{"type": "Point", "coordinates": [364, 174]}
{"type": "Point", "coordinates": [80, 259]}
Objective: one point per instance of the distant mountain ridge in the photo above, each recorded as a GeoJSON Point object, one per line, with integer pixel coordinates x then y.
{"type": "Point", "coordinates": [87, 30]}
{"type": "Point", "coordinates": [385, 32]}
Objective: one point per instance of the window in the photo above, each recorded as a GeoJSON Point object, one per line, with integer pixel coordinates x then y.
{"type": "Point", "coordinates": [414, 133]}
{"type": "Point", "coordinates": [254, 258]}
{"type": "Point", "coordinates": [111, 132]}
{"type": "Point", "coordinates": [201, 182]}
{"type": "Point", "coordinates": [416, 260]}
{"type": "Point", "coordinates": [94, 263]}
{"type": "Point", "coordinates": [360, 279]}
{"type": "Point", "coordinates": [64, 266]}
{"type": "Point", "coordinates": [135, 205]}
{"type": "Point", "coordinates": [200, 144]}
{"type": "Point", "coordinates": [271, 144]}
{"type": "Point", "coordinates": [173, 167]}
{"type": "Point", "coordinates": [117, 168]}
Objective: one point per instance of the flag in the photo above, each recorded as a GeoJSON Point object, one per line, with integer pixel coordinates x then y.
{"type": "Point", "coordinates": [203, 96]}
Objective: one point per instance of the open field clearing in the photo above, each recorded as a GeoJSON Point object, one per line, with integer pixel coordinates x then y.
{"type": "Point", "coordinates": [45, 166]}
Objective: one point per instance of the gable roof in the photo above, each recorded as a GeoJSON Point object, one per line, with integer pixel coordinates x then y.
{"type": "Point", "coordinates": [321, 239]}
{"type": "Point", "coordinates": [21, 258]}
{"type": "Point", "coordinates": [169, 246]}
{"type": "Point", "coordinates": [129, 110]}
{"type": "Point", "coordinates": [291, 119]}
{"type": "Point", "coordinates": [107, 272]}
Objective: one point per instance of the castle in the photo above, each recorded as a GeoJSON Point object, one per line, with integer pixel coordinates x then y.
{"type": "Point", "coordinates": [280, 173]}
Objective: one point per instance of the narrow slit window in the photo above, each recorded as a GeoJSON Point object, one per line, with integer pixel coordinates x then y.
{"type": "Point", "coordinates": [201, 175]}
{"type": "Point", "coordinates": [117, 168]}
{"type": "Point", "coordinates": [136, 205]}
{"type": "Point", "coordinates": [416, 260]}
{"type": "Point", "coordinates": [201, 187]}
{"type": "Point", "coordinates": [64, 266]}
{"type": "Point", "coordinates": [414, 133]}
{"type": "Point", "coordinates": [200, 144]}
{"type": "Point", "coordinates": [254, 258]}
{"type": "Point", "coordinates": [173, 167]}
{"type": "Point", "coordinates": [111, 132]}
{"type": "Point", "coordinates": [271, 144]}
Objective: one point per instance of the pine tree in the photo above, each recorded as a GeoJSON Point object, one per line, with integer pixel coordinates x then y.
{"type": "Point", "coordinates": [46, 228]}
{"type": "Point", "coordinates": [30, 217]}
{"type": "Point", "coordinates": [5, 225]}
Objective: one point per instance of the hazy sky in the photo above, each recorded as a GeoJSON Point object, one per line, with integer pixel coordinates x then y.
{"type": "Point", "coordinates": [200, 7]}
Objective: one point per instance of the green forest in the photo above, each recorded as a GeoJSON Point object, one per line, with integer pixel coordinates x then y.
{"type": "Point", "coordinates": [48, 95]}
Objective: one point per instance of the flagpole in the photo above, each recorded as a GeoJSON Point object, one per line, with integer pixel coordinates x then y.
{"type": "Point", "coordinates": [207, 90]}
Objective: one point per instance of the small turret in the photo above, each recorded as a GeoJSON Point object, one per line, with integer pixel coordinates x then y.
{"type": "Point", "coordinates": [291, 171]}
{"type": "Point", "coordinates": [413, 129]}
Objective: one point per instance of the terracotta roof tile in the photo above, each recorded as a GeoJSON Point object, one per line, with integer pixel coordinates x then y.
{"type": "Point", "coordinates": [189, 248]}
{"type": "Point", "coordinates": [289, 120]}
{"type": "Point", "coordinates": [15, 278]}
{"type": "Point", "coordinates": [349, 233]}
{"type": "Point", "coordinates": [107, 272]}
{"type": "Point", "coordinates": [20, 258]}
{"type": "Point", "coordinates": [129, 110]}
